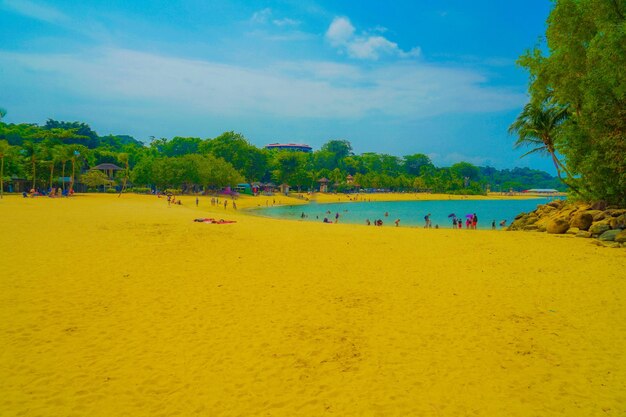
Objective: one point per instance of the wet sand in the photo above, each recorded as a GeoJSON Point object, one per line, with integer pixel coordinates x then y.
{"type": "Point", "coordinates": [127, 307]}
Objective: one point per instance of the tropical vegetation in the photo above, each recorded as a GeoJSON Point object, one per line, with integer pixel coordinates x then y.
{"type": "Point", "coordinates": [58, 153]}
{"type": "Point", "coordinates": [578, 94]}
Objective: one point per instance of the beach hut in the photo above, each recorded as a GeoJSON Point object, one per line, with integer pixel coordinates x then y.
{"type": "Point", "coordinates": [323, 185]}
{"type": "Point", "coordinates": [108, 169]}
{"type": "Point", "coordinates": [284, 189]}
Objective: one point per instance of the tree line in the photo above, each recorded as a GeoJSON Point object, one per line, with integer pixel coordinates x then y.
{"type": "Point", "coordinates": [577, 111]}
{"type": "Point", "coordinates": [58, 154]}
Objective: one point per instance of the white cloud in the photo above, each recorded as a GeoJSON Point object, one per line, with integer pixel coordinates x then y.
{"type": "Point", "coordinates": [121, 79]}
{"type": "Point", "coordinates": [36, 10]}
{"type": "Point", "coordinates": [286, 22]}
{"type": "Point", "coordinates": [340, 31]}
{"type": "Point", "coordinates": [341, 34]}
{"type": "Point", "coordinates": [262, 16]}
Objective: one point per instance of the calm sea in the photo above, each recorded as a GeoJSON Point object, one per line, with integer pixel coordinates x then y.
{"type": "Point", "coordinates": [410, 213]}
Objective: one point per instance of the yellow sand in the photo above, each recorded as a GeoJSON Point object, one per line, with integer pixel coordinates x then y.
{"type": "Point", "coordinates": [125, 307]}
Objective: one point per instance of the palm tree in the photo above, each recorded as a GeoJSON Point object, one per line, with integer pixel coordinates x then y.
{"type": "Point", "coordinates": [539, 126]}
{"type": "Point", "coordinates": [4, 151]}
{"type": "Point", "coordinates": [123, 157]}
{"type": "Point", "coordinates": [33, 151]}
{"type": "Point", "coordinates": [77, 153]}
{"type": "Point", "coordinates": [65, 155]}
{"type": "Point", "coordinates": [55, 155]}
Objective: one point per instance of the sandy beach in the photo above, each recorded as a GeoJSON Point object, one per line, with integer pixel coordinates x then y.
{"type": "Point", "coordinates": [125, 306]}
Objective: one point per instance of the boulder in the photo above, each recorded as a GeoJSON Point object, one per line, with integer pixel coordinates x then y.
{"type": "Point", "coordinates": [615, 212]}
{"type": "Point", "coordinates": [621, 237]}
{"type": "Point", "coordinates": [558, 226]}
{"type": "Point", "coordinates": [600, 216]}
{"type": "Point", "coordinates": [556, 203]}
{"type": "Point", "coordinates": [600, 205]}
{"type": "Point", "coordinates": [599, 228]}
{"type": "Point", "coordinates": [519, 216]}
{"type": "Point", "coordinates": [572, 231]}
{"type": "Point", "coordinates": [582, 221]}
{"type": "Point", "coordinates": [618, 222]}
{"type": "Point", "coordinates": [584, 234]}
{"type": "Point", "coordinates": [609, 235]}
{"type": "Point", "coordinates": [611, 244]}
{"type": "Point", "coordinates": [530, 227]}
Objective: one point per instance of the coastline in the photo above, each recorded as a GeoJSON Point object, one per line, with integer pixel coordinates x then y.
{"type": "Point", "coordinates": [126, 306]}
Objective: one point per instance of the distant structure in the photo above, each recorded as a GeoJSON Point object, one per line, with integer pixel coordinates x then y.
{"type": "Point", "coordinates": [290, 147]}
{"type": "Point", "coordinates": [542, 191]}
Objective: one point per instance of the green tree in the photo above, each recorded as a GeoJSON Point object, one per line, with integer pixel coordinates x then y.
{"type": "Point", "coordinates": [414, 163]}
{"type": "Point", "coordinates": [5, 150]}
{"type": "Point", "coordinates": [583, 71]}
{"type": "Point", "coordinates": [3, 113]}
{"type": "Point", "coordinates": [77, 155]}
{"type": "Point", "coordinates": [234, 148]}
{"type": "Point", "coordinates": [539, 126]}
{"type": "Point", "coordinates": [34, 154]}
{"type": "Point", "coordinates": [95, 178]}
{"type": "Point", "coordinates": [123, 158]}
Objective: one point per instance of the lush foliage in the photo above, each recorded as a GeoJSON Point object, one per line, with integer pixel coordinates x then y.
{"type": "Point", "coordinates": [59, 153]}
{"type": "Point", "coordinates": [584, 72]}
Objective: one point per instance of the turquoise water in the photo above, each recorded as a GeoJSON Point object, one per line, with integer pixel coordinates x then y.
{"type": "Point", "coordinates": [410, 213]}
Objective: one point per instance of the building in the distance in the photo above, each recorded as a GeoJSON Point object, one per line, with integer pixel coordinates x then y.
{"type": "Point", "coordinates": [290, 147]}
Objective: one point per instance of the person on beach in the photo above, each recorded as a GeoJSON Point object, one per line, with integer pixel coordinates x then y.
{"type": "Point", "coordinates": [397, 222]}
{"type": "Point", "coordinates": [454, 222]}
{"type": "Point", "coordinates": [367, 222]}
{"type": "Point", "coordinates": [460, 223]}
{"type": "Point", "coordinates": [337, 217]}
{"type": "Point", "coordinates": [234, 206]}
{"type": "Point", "coordinates": [468, 223]}
{"type": "Point", "coordinates": [427, 221]}
{"type": "Point", "coordinates": [493, 224]}
{"type": "Point", "coordinates": [474, 221]}
{"type": "Point", "coordinates": [197, 201]}
{"type": "Point", "coordinates": [225, 204]}
{"type": "Point", "coordinates": [503, 223]}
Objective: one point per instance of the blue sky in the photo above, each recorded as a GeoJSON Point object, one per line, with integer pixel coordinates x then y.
{"type": "Point", "coordinates": [430, 76]}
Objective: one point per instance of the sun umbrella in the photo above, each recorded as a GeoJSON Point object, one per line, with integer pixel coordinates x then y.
{"type": "Point", "coordinates": [451, 215]}
{"type": "Point", "coordinates": [469, 216]}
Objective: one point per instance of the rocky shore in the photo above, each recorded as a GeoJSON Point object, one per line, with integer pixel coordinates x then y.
{"type": "Point", "coordinates": [607, 225]}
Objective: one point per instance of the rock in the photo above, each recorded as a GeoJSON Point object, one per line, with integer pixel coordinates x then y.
{"type": "Point", "coordinates": [599, 228]}
{"type": "Point", "coordinates": [530, 227]}
{"type": "Point", "coordinates": [618, 222]}
{"type": "Point", "coordinates": [541, 227]}
{"type": "Point", "coordinates": [600, 205]}
{"type": "Point", "coordinates": [595, 213]}
{"type": "Point", "coordinates": [600, 216]}
{"type": "Point", "coordinates": [621, 237]}
{"type": "Point", "coordinates": [584, 234]}
{"type": "Point", "coordinates": [609, 235]}
{"type": "Point", "coordinates": [519, 216]}
{"type": "Point", "coordinates": [611, 244]}
{"type": "Point", "coordinates": [582, 221]}
{"type": "Point", "coordinates": [556, 204]}
{"type": "Point", "coordinates": [558, 226]}
{"type": "Point", "coordinates": [615, 212]}
{"type": "Point", "coordinates": [572, 231]}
